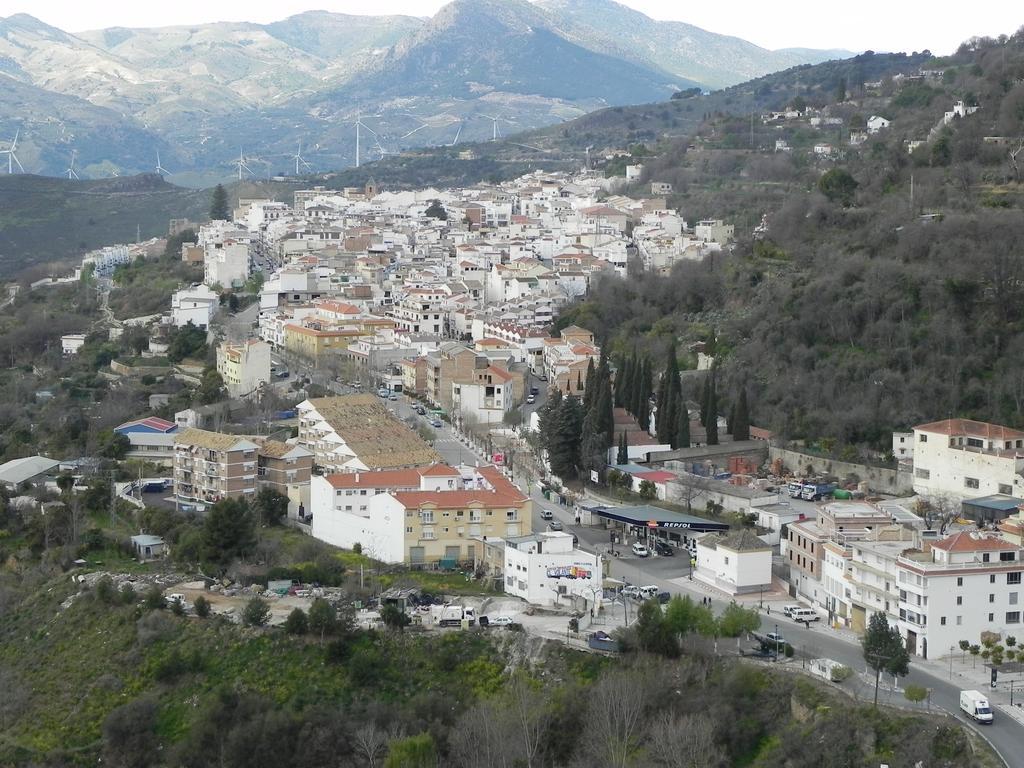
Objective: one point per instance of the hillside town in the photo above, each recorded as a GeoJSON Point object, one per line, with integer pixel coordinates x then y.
{"type": "Point", "coordinates": [401, 348]}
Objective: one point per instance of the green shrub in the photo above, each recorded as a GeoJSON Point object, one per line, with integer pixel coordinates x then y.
{"type": "Point", "coordinates": [201, 607]}
{"type": "Point", "coordinates": [296, 623]}
{"type": "Point", "coordinates": [256, 612]}
{"type": "Point", "coordinates": [153, 600]}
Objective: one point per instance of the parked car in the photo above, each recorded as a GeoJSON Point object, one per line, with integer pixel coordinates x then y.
{"type": "Point", "coordinates": [555, 525]}
{"type": "Point", "coordinates": [382, 392]}
{"type": "Point", "coordinates": [283, 374]}
{"type": "Point", "coordinates": [436, 423]}
{"type": "Point", "coordinates": [664, 597]}
{"type": "Point", "coordinates": [545, 514]}
{"type": "Point", "coordinates": [499, 621]}
{"type": "Point", "coordinates": [421, 410]}
{"type": "Point", "coordinates": [774, 638]}
{"type": "Point", "coordinates": [664, 549]}
{"type": "Point", "coordinates": [392, 396]}
{"type": "Point", "coordinates": [531, 399]}
{"type": "Point", "coordinates": [631, 591]}
{"type": "Point", "coordinates": [646, 593]}
{"type": "Point", "coordinates": [534, 391]}
{"type": "Point", "coordinates": [788, 609]}
{"type": "Point", "coordinates": [804, 614]}
{"type": "Point", "coordinates": [640, 550]}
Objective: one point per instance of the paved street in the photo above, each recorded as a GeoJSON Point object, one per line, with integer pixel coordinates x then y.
{"type": "Point", "coordinates": [670, 574]}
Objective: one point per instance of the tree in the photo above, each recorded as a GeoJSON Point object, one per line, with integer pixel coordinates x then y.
{"type": "Point", "coordinates": [682, 436]}
{"type": "Point", "coordinates": [564, 449]}
{"type": "Point", "coordinates": [129, 735]}
{"type": "Point", "coordinates": [684, 741]}
{"type": "Point", "coordinates": [394, 618]}
{"type": "Point", "coordinates": [211, 386]}
{"type": "Point", "coordinates": [711, 409]}
{"type": "Point", "coordinates": [153, 600]}
{"type": "Point", "coordinates": [322, 617]}
{"type": "Point", "coordinates": [884, 650]}
{"type": "Point", "coordinates": [436, 211]}
{"type": "Point", "coordinates": [296, 623]}
{"type": "Point", "coordinates": [648, 490]}
{"type": "Point", "coordinates": [219, 204]}
{"type": "Point", "coordinates": [201, 606]}
{"type": "Point", "coordinates": [741, 421]}
{"type": "Point", "coordinates": [412, 752]}
{"type": "Point", "coordinates": [229, 531]}
{"type": "Point", "coordinates": [622, 456]}
{"type": "Point", "coordinates": [256, 612]}
{"type": "Point", "coordinates": [838, 186]}
{"type": "Point", "coordinates": [186, 341]}
{"type": "Point", "coordinates": [669, 400]}
{"type": "Point", "coordinates": [915, 693]}
{"type": "Point", "coordinates": [736, 621]}
{"type": "Point", "coordinates": [653, 632]}
{"type": "Point", "coordinates": [270, 507]}
{"type": "Point", "coordinates": [613, 725]}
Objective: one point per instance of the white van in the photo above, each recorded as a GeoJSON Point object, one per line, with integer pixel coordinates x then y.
{"type": "Point", "coordinates": [976, 706]}
{"type": "Point", "coordinates": [646, 593]}
{"type": "Point", "coordinates": [801, 615]}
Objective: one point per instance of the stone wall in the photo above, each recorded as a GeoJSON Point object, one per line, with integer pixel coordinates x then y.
{"type": "Point", "coordinates": [879, 479]}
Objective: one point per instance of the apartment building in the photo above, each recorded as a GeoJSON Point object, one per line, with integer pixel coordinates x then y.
{"type": "Point", "coordinates": [244, 368]}
{"type": "Point", "coordinates": [226, 264]}
{"type": "Point", "coordinates": [957, 588]}
{"type": "Point", "coordinates": [209, 466]}
{"type": "Point", "coordinates": [963, 459]}
{"type": "Point", "coordinates": [486, 397]}
{"type": "Point", "coordinates": [421, 310]}
{"type": "Point", "coordinates": [439, 521]}
{"type": "Point", "coordinates": [357, 433]}
{"type": "Point", "coordinates": [567, 357]}
{"type": "Point", "coordinates": [545, 569]}
{"type": "Point", "coordinates": [872, 575]}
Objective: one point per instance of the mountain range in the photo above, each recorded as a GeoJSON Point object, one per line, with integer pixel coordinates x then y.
{"type": "Point", "coordinates": [207, 94]}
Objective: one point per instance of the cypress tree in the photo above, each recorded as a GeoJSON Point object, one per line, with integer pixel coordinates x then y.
{"type": "Point", "coordinates": [682, 427]}
{"type": "Point", "coordinates": [589, 390]}
{"type": "Point", "coordinates": [730, 419]}
{"type": "Point", "coordinates": [605, 414]}
{"type": "Point", "coordinates": [712, 413]}
{"type": "Point", "coordinates": [702, 401]}
{"type": "Point", "coordinates": [623, 455]}
{"type": "Point", "coordinates": [219, 204]}
{"type": "Point", "coordinates": [623, 380]}
{"type": "Point", "coordinates": [741, 422]}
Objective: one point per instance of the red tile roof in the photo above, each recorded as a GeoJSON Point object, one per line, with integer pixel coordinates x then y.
{"type": "Point", "coordinates": [973, 428]}
{"type": "Point", "coordinates": [972, 541]}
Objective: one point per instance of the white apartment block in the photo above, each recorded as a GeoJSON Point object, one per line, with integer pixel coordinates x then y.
{"type": "Point", "coordinates": [962, 459]}
{"type": "Point", "coordinates": [227, 264]}
{"type": "Point", "coordinates": [196, 305]}
{"type": "Point", "coordinates": [956, 589]}
{"type": "Point", "coordinates": [244, 368]}
{"type": "Point", "coordinates": [545, 569]}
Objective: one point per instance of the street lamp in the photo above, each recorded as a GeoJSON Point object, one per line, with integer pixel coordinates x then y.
{"type": "Point", "coordinates": [776, 642]}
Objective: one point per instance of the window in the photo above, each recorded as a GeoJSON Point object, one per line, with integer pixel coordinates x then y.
{"type": "Point", "coordinates": [985, 559]}
{"type": "Point", "coordinates": [991, 598]}
{"type": "Point", "coordinates": [726, 559]}
{"type": "Point", "coordinates": [959, 581]}
{"type": "Point", "coordinates": [1006, 490]}
{"type": "Point", "coordinates": [959, 600]}
{"type": "Point", "coordinates": [1013, 598]}
{"type": "Point", "coordinates": [991, 618]}
{"type": "Point", "coordinates": [971, 482]}
{"type": "Point", "coordinates": [1013, 617]}
{"type": "Point", "coordinates": [991, 578]}
{"type": "Point", "coordinates": [974, 442]}
{"type": "Point", "coordinates": [1007, 557]}
{"type": "Point", "coordinates": [921, 473]}
{"type": "Point", "coordinates": [1013, 578]}
{"type": "Point", "coordinates": [923, 438]}
{"type": "Point", "coordinates": [959, 620]}
{"type": "Point", "coordinates": [942, 621]}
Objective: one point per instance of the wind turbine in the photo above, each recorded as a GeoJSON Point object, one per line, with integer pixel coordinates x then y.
{"type": "Point", "coordinates": [11, 157]}
{"type": "Point", "coordinates": [159, 168]}
{"type": "Point", "coordinates": [299, 159]}
{"type": "Point", "coordinates": [361, 124]}
{"type": "Point", "coordinates": [495, 133]}
{"type": "Point", "coordinates": [242, 166]}
{"type": "Point", "coordinates": [71, 172]}
{"type": "Point", "coordinates": [457, 134]}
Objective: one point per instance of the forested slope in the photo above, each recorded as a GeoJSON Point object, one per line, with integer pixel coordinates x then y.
{"type": "Point", "coordinates": [888, 287]}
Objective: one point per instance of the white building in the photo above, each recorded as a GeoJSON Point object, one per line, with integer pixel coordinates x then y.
{"type": "Point", "coordinates": [903, 446]}
{"type": "Point", "coordinates": [196, 305]}
{"type": "Point", "coordinates": [227, 264]}
{"type": "Point", "coordinates": [70, 343]}
{"type": "Point", "coordinates": [736, 563]}
{"type": "Point", "coordinates": [876, 123]}
{"type": "Point", "coordinates": [245, 367]}
{"type": "Point", "coordinates": [714, 230]}
{"type": "Point", "coordinates": [956, 589]}
{"type": "Point", "coordinates": [963, 459]}
{"type": "Point", "coordinates": [545, 569]}
{"type": "Point", "coordinates": [486, 398]}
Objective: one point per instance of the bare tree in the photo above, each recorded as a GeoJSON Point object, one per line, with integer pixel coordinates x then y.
{"type": "Point", "coordinates": [370, 742]}
{"type": "Point", "coordinates": [688, 488]}
{"type": "Point", "coordinates": [1013, 159]}
{"type": "Point", "coordinates": [528, 714]}
{"type": "Point", "coordinates": [485, 735]}
{"type": "Point", "coordinates": [686, 741]}
{"type": "Point", "coordinates": [614, 725]}
{"type": "Point", "coordinates": [938, 511]}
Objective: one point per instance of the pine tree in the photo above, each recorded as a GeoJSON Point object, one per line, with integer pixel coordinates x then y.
{"type": "Point", "coordinates": [565, 451]}
{"type": "Point", "coordinates": [547, 415]}
{"type": "Point", "coordinates": [711, 412]}
{"type": "Point", "coordinates": [683, 427]}
{"type": "Point", "coordinates": [623, 455]}
{"type": "Point", "coordinates": [741, 422]}
{"type": "Point", "coordinates": [219, 204]}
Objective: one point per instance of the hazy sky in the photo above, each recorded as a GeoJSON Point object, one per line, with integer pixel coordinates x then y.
{"type": "Point", "coordinates": [881, 25]}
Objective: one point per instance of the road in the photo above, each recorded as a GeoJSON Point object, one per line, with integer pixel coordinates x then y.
{"type": "Point", "coordinates": [670, 574]}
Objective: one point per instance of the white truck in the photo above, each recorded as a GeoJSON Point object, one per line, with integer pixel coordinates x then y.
{"type": "Point", "coordinates": [976, 706]}
{"type": "Point", "coordinates": [453, 615]}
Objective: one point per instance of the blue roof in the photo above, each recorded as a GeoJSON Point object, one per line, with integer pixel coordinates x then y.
{"type": "Point", "coordinates": [998, 501]}
{"type": "Point", "coordinates": [663, 518]}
